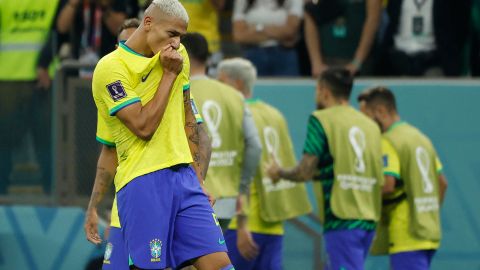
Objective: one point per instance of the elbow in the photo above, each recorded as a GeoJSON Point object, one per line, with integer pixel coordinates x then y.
{"type": "Point", "coordinates": [144, 133]}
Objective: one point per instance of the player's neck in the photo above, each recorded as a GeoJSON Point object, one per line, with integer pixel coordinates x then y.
{"type": "Point", "coordinates": [197, 69]}
{"type": "Point", "coordinates": [137, 43]}
{"type": "Point", "coordinates": [389, 121]}
{"type": "Point", "coordinates": [337, 102]}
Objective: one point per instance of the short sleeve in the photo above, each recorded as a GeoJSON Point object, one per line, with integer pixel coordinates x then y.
{"type": "Point", "coordinates": [391, 162]}
{"type": "Point", "coordinates": [316, 141]}
{"type": "Point", "coordinates": [111, 87]}
{"type": "Point", "coordinates": [104, 136]}
{"type": "Point", "coordinates": [438, 165]}
{"type": "Point", "coordinates": [239, 10]}
{"type": "Point", "coordinates": [198, 117]}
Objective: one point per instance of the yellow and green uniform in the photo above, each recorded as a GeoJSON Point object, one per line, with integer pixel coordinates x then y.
{"type": "Point", "coordinates": [402, 237]}
{"type": "Point", "coordinates": [320, 145]}
{"type": "Point", "coordinates": [104, 136]}
{"type": "Point", "coordinates": [124, 77]}
{"type": "Point", "coordinates": [222, 108]}
{"type": "Point", "coordinates": [203, 20]}
{"type": "Point", "coordinates": [24, 29]}
{"type": "Point", "coordinates": [271, 204]}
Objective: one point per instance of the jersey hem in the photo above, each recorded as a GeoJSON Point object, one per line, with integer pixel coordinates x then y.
{"type": "Point", "coordinates": [152, 169]}
{"type": "Point", "coordinates": [424, 246]}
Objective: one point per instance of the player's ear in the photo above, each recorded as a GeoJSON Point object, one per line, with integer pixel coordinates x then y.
{"type": "Point", "coordinates": [147, 23]}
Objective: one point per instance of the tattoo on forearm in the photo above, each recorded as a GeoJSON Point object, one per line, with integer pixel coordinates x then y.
{"type": "Point", "coordinates": [192, 131]}
{"type": "Point", "coordinates": [303, 171]}
{"type": "Point", "coordinates": [102, 183]}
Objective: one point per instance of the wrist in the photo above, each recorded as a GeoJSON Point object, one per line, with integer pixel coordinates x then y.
{"type": "Point", "coordinates": [91, 209]}
{"type": "Point", "coordinates": [169, 75]}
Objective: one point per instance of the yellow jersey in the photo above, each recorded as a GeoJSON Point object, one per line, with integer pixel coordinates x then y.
{"type": "Point", "coordinates": [400, 238]}
{"type": "Point", "coordinates": [204, 20]}
{"type": "Point", "coordinates": [124, 77]}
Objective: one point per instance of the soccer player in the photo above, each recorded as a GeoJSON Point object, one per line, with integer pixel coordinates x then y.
{"type": "Point", "coordinates": [139, 88]}
{"type": "Point", "coordinates": [267, 212]}
{"type": "Point", "coordinates": [116, 256]}
{"type": "Point", "coordinates": [343, 152]}
{"type": "Point", "coordinates": [413, 209]}
{"type": "Point", "coordinates": [236, 145]}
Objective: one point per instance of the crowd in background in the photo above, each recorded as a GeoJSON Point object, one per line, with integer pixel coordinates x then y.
{"type": "Point", "coordinates": [296, 37]}
{"type": "Point", "coordinates": [286, 38]}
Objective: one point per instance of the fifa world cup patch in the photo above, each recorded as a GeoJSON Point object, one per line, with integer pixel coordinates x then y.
{"type": "Point", "coordinates": [116, 90]}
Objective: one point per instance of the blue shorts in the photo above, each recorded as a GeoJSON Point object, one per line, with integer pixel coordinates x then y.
{"type": "Point", "coordinates": [116, 255]}
{"type": "Point", "coordinates": [412, 260]}
{"type": "Point", "coordinates": [269, 255]}
{"type": "Point", "coordinates": [167, 220]}
{"type": "Point", "coordinates": [347, 249]}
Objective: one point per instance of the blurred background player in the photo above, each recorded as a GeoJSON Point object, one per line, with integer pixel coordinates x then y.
{"type": "Point", "coordinates": [414, 222]}
{"type": "Point", "coordinates": [116, 255]}
{"type": "Point", "coordinates": [267, 210]}
{"type": "Point", "coordinates": [236, 147]}
{"type": "Point", "coordinates": [349, 173]}
{"type": "Point", "coordinates": [183, 229]}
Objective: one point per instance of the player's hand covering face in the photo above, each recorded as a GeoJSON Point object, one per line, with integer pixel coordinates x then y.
{"type": "Point", "coordinates": [171, 60]}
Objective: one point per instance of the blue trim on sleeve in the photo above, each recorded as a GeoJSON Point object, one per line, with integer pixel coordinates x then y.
{"type": "Point", "coordinates": [117, 108]}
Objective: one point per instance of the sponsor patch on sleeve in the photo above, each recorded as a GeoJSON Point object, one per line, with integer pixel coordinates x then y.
{"type": "Point", "coordinates": [385, 161]}
{"type": "Point", "coordinates": [116, 90]}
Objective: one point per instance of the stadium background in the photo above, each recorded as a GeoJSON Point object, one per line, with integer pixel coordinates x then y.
{"type": "Point", "coordinates": [35, 233]}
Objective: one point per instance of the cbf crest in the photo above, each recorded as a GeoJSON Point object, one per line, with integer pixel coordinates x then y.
{"type": "Point", "coordinates": [108, 253]}
{"type": "Point", "coordinates": [155, 250]}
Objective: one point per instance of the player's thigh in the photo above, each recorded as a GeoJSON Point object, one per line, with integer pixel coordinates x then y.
{"type": "Point", "coordinates": [145, 207]}
{"type": "Point", "coordinates": [197, 232]}
{"type": "Point", "coordinates": [411, 260]}
{"type": "Point", "coordinates": [345, 249]}
{"type": "Point", "coordinates": [213, 261]}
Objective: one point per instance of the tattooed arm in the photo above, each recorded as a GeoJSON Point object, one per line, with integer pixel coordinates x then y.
{"type": "Point", "coordinates": [303, 172]}
{"type": "Point", "coordinates": [198, 140]}
{"type": "Point", "coordinates": [106, 167]}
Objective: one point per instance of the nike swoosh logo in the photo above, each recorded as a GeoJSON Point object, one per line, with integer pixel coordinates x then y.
{"type": "Point", "coordinates": [144, 78]}
{"type": "Point", "coordinates": [221, 241]}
